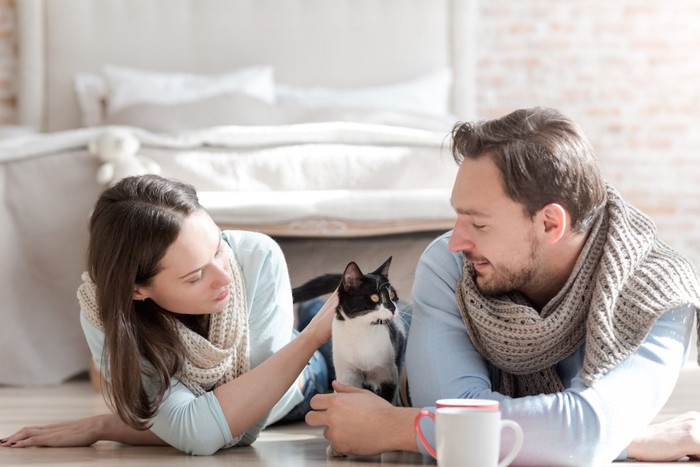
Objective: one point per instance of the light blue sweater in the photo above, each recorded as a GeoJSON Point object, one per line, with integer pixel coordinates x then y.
{"type": "Point", "coordinates": [196, 425]}
{"type": "Point", "coordinates": [577, 427]}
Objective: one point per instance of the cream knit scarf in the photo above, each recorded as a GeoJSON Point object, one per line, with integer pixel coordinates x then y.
{"type": "Point", "coordinates": [625, 278]}
{"type": "Point", "coordinates": [221, 356]}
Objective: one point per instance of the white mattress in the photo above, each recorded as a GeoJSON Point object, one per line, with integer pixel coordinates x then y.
{"type": "Point", "coordinates": [333, 213]}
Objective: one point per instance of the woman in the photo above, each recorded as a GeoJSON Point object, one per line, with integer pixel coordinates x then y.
{"type": "Point", "coordinates": [191, 327]}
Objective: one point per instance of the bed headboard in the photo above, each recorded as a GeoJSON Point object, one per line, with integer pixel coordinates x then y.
{"type": "Point", "coordinates": [310, 42]}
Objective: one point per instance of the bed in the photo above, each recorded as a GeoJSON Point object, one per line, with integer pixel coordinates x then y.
{"type": "Point", "coordinates": [323, 123]}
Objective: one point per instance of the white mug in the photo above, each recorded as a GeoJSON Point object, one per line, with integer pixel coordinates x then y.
{"type": "Point", "coordinates": [483, 404]}
{"type": "Point", "coordinates": [469, 437]}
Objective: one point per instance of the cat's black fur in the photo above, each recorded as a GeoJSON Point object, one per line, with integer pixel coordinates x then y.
{"type": "Point", "coordinates": [368, 338]}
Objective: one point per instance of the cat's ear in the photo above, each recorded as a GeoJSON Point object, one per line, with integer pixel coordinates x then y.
{"type": "Point", "coordinates": [352, 277]}
{"type": "Point", "coordinates": [383, 270]}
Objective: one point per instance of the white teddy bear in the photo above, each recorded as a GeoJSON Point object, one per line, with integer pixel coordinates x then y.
{"type": "Point", "coordinates": [117, 148]}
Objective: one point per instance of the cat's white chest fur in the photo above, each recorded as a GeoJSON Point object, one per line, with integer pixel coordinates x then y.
{"type": "Point", "coordinates": [362, 351]}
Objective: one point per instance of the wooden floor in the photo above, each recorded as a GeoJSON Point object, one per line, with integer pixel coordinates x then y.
{"type": "Point", "coordinates": [296, 445]}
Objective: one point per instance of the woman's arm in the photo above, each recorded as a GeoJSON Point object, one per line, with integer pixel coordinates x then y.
{"type": "Point", "coordinates": [203, 425]}
{"type": "Point", "coordinates": [276, 359]}
{"type": "Point", "coordinates": [83, 432]}
{"type": "Point", "coordinates": [250, 396]}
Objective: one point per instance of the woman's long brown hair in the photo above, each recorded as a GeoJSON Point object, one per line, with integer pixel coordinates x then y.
{"type": "Point", "coordinates": [131, 227]}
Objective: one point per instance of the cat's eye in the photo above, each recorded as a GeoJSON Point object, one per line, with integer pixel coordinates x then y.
{"type": "Point", "coordinates": [374, 297]}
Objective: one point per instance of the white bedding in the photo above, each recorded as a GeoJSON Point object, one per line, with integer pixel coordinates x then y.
{"type": "Point", "coordinates": [321, 179]}
{"type": "Point", "coordinates": [283, 174]}
{"type": "Point", "coordinates": [380, 180]}
{"type": "Point", "coordinates": [231, 137]}
{"type": "Point", "coordinates": [261, 207]}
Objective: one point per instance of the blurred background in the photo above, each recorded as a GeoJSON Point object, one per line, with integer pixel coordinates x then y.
{"type": "Point", "coordinates": [628, 71]}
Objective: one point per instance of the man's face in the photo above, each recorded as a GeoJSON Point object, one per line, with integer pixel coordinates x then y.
{"type": "Point", "coordinates": [492, 231]}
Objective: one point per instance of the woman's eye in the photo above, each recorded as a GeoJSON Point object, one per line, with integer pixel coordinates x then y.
{"type": "Point", "coordinates": [478, 227]}
{"type": "Point", "coordinates": [197, 280]}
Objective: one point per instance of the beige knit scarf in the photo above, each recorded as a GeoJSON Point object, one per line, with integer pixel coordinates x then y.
{"type": "Point", "coordinates": [210, 361]}
{"type": "Point", "coordinates": [624, 279]}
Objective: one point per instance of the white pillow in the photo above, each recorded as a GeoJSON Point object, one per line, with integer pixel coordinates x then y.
{"type": "Point", "coordinates": [118, 88]}
{"type": "Point", "coordinates": [238, 109]}
{"type": "Point", "coordinates": [91, 91]}
{"type": "Point", "coordinates": [427, 94]}
{"type": "Point", "coordinates": [128, 87]}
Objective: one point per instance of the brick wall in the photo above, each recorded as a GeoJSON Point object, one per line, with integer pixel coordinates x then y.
{"type": "Point", "coordinates": [7, 62]}
{"type": "Point", "coordinates": [627, 71]}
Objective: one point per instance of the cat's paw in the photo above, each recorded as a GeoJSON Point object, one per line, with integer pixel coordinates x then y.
{"type": "Point", "coordinates": [370, 386]}
{"type": "Point", "coordinates": [332, 453]}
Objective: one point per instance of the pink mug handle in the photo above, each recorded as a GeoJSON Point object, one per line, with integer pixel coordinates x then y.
{"type": "Point", "coordinates": [416, 424]}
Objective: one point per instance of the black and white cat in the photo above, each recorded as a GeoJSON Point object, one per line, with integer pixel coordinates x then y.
{"type": "Point", "coordinates": [368, 335]}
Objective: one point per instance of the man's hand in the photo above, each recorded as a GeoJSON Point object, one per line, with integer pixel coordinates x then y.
{"type": "Point", "coordinates": [671, 440]}
{"type": "Point", "coordinates": [360, 422]}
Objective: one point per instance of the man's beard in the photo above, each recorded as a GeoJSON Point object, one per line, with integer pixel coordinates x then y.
{"type": "Point", "coordinates": [506, 280]}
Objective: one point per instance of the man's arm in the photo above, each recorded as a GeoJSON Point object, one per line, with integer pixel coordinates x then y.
{"type": "Point", "coordinates": [593, 423]}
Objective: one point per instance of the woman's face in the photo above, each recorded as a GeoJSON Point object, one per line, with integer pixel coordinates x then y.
{"type": "Point", "coordinates": [195, 272]}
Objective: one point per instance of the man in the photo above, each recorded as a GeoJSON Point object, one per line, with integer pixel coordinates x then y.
{"type": "Point", "coordinates": [551, 295]}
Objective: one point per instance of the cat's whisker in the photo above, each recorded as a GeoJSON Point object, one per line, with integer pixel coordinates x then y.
{"type": "Point", "coordinates": [402, 316]}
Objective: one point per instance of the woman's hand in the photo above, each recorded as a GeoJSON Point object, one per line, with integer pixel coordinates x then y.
{"type": "Point", "coordinates": [360, 422]}
{"type": "Point", "coordinates": [671, 440]}
{"type": "Point", "coordinates": [83, 432]}
{"type": "Point", "coordinates": [320, 325]}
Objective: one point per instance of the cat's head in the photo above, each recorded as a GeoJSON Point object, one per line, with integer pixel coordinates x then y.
{"type": "Point", "coordinates": [368, 297]}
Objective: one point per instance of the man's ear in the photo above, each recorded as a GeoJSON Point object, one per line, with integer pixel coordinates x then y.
{"type": "Point", "coordinates": [555, 221]}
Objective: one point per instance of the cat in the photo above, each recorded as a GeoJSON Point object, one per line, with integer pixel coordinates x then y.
{"type": "Point", "coordinates": [368, 334]}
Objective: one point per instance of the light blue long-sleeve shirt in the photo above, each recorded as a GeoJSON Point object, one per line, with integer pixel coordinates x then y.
{"type": "Point", "coordinates": [196, 425]}
{"type": "Point", "coordinates": [577, 427]}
